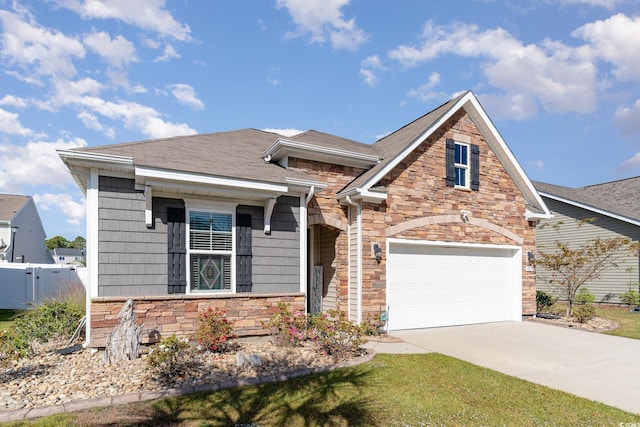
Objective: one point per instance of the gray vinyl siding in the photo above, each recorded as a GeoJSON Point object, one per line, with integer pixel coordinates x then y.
{"type": "Point", "coordinates": [612, 282]}
{"type": "Point", "coordinates": [132, 259]}
{"type": "Point", "coordinates": [276, 256]}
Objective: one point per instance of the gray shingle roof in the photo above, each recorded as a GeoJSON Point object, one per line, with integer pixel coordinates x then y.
{"type": "Point", "coordinates": [617, 197]}
{"type": "Point", "coordinates": [326, 140]}
{"type": "Point", "coordinates": [392, 145]}
{"type": "Point", "coordinates": [10, 204]}
{"type": "Point", "coordinates": [235, 154]}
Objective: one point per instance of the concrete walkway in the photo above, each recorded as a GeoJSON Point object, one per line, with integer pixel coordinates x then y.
{"type": "Point", "coordinates": [599, 367]}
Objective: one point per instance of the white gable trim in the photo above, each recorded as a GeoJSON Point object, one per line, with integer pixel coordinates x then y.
{"type": "Point", "coordinates": [590, 208]}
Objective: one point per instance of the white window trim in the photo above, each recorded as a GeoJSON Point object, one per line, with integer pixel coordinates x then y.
{"type": "Point", "coordinates": [224, 208]}
{"type": "Point", "coordinates": [466, 167]}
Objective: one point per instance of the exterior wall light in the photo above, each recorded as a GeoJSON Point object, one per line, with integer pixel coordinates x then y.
{"type": "Point", "coordinates": [376, 250]}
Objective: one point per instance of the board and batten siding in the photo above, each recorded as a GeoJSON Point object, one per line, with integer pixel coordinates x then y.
{"type": "Point", "coordinates": [276, 256]}
{"type": "Point", "coordinates": [614, 281]}
{"type": "Point", "coordinates": [132, 259]}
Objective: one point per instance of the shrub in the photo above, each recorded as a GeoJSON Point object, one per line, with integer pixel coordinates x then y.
{"type": "Point", "coordinates": [372, 324]}
{"type": "Point", "coordinates": [544, 301]}
{"type": "Point", "coordinates": [336, 335]}
{"type": "Point", "coordinates": [214, 330]}
{"type": "Point", "coordinates": [287, 329]}
{"type": "Point", "coordinates": [169, 357]}
{"type": "Point", "coordinates": [630, 297]}
{"type": "Point", "coordinates": [584, 312]}
{"type": "Point", "coordinates": [584, 297]}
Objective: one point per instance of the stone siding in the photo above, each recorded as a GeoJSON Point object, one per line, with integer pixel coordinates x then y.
{"type": "Point", "coordinates": [163, 316]}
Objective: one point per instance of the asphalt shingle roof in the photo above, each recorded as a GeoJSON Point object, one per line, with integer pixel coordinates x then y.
{"type": "Point", "coordinates": [10, 204]}
{"type": "Point", "coordinates": [617, 197]}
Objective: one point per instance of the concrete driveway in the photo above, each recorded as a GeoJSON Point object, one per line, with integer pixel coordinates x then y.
{"type": "Point", "coordinates": [599, 367]}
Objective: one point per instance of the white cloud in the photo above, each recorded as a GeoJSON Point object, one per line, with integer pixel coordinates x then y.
{"type": "Point", "coordinates": [608, 4]}
{"type": "Point", "coordinates": [92, 122]}
{"type": "Point", "coordinates": [10, 124]}
{"type": "Point", "coordinates": [13, 101]}
{"type": "Point", "coordinates": [36, 49]}
{"type": "Point", "coordinates": [538, 164]}
{"type": "Point", "coordinates": [627, 119]}
{"type": "Point", "coordinates": [72, 210]}
{"type": "Point", "coordinates": [186, 95]}
{"type": "Point", "coordinates": [168, 54]}
{"type": "Point", "coordinates": [368, 69]}
{"type": "Point", "coordinates": [513, 105]}
{"type": "Point", "coordinates": [424, 92]}
{"type": "Point", "coordinates": [615, 40]}
{"type": "Point", "coordinates": [632, 163]}
{"type": "Point", "coordinates": [558, 77]}
{"type": "Point", "coordinates": [118, 52]}
{"type": "Point", "coordinates": [322, 20]}
{"type": "Point", "coordinates": [35, 163]}
{"type": "Point", "coordinates": [289, 132]}
{"type": "Point", "coordinates": [150, 15]}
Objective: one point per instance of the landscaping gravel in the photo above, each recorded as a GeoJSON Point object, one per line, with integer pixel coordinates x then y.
{"type": "Point", "coordinates": [54, 378]}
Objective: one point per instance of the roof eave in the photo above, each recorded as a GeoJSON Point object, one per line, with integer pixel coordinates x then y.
{"type": "Point", "coordinates": [284, 148]}
{"type": "Point", "coordinates": [591, 208]}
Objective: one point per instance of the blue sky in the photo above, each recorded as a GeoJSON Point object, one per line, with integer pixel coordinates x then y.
{"type": "Point", "coordinates": [560, 79]}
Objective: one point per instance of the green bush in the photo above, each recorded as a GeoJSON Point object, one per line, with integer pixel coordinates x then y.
{"type": "Point", "coordinates": [169, 357]}
{"type": "Point", "coordinates": [214, 331]}
{"type": "Point", "coordinates": [287, 328]}
{"type": "Point", "coordinates": [584, 312]}
{"type": "Point", "coordinates": [630, 297]}
{"type": "Point", "coordinates": [584, 297]}
{"type": "Point", "coordinates": [336, 335]}
{"type": "Point", "coordinates": [544, 301]}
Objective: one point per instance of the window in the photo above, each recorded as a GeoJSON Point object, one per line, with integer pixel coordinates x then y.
{"type": "Point", "coordinates": [461, 164]}
{"type": "Point", "coordinates": [210, 250]}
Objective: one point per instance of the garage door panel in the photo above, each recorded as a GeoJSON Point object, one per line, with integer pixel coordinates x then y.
{"type": "Point", "coordinates": [430, 286]}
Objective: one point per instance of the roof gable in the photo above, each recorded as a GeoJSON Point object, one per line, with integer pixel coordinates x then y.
{"type": "Point", "coordinates": [399, 144]}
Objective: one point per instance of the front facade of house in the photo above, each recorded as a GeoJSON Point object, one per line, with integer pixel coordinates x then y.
{"type": "Point", "coordinates": [431, 224]}
{"type": "Point", "coordinates": [611, 211]}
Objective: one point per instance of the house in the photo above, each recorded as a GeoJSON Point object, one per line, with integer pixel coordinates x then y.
{"type": "Point", "coordinates": [431, 224]}
{"type": "Point", "coordinates": [68, 256]}
{"type": "Point", "coordinates": [21, 231]}
{"type": "Point", "coordinates": [615, 206]}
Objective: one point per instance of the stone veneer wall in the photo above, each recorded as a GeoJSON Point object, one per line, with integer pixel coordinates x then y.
{"type": "Point", "coordinates": [166, 315]}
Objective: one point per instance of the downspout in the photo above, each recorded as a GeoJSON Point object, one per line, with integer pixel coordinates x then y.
{"type": "Point", "coordinates": [312, 192]}
{"type": "Point", "coordinates": [304, 255]}
{"type": "Point", "coordinates": [358, 256]}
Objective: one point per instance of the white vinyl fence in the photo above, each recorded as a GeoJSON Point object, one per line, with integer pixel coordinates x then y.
{"type": "Point", "coordinates": [22, 285]}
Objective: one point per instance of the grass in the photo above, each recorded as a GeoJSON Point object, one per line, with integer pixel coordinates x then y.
{"type": "Point", "coordinates": [628, 321]}
{"type": "Point", "coordinates": [6, 317]}
{"type": "Point", "coordinates": [391, 390]}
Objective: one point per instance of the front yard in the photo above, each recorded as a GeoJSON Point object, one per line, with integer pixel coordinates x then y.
{"type": "Point", "coordinates": [390, 390]}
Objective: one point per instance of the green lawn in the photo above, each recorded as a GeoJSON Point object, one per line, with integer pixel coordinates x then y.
{"type": "Point", "coordinates": [391, 390]}
{"type": "Point", "coordinates": [5, 318]}
{"type": "Point", "coordinates": [628, 321]}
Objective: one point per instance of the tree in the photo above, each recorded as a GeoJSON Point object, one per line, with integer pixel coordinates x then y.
{"type": "Point", "coordinates": [57, 242]}
{"type": "Point", "coordinates": [78, 243]}
{"type": "Point", "coordinates": [569, 268]}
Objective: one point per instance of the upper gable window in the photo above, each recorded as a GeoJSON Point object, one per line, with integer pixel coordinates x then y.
{"type": "Point", "coordinates": [463, 165]}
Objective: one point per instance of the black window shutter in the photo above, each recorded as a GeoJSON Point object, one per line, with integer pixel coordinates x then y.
{"type": "Point", "coordinates": [451, 169]}
{"type": "Point", "coordinates": [475, 167]}
{"type": "Point", "coordinates": [244, 281]}
{"type": "Point", "coordinates": [177, 250]}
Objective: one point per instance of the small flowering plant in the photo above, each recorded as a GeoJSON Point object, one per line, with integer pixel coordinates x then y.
{"type": "Point", "coordinates": [170, 356]}
{"type": "Point", "coordinates": [287, 328]}
{"type": "Point", "coordinates": [336, 336]}
{"type": "Point", "coordinates": [214, 331]}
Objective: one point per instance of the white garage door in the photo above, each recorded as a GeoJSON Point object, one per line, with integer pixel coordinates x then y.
{"type": "Point", "coordinates": [430, 286]}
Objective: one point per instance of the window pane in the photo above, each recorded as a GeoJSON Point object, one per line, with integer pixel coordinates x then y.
{"type": "Point", "coordinates": [461, 177]}
{"type": "Point", "coordinates": [461, 154]}
{"type": "Point", "coordinates": [210, 272]}
{"type": "Point", "coordinates": [210, 231]}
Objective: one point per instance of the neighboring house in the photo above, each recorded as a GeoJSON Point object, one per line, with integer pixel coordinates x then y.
{"type": "Point", "coordinates": [615, 206]}
{"type": "Point", "coordinates": [433, 222]}
{"type": "Point", "coordinates": [21, 231]}
{"type": "Point", "coordinates": [68, 256]}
